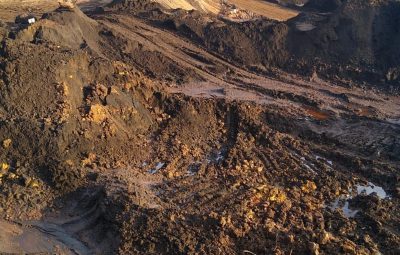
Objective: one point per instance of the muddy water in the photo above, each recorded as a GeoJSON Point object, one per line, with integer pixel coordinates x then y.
{"type": "Point", "coordinates": [316, 113]}
{"type": "Point", "coordinates": [343, 204]}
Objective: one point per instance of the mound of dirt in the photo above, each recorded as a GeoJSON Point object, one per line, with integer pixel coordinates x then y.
{"type": "Point", "coordinates": [356, 41]}
{"type": "Point", "coordinates": [63, 107]}
{"type": "Point", "coordinates": [132, 5]}
{"type": "Point", "coordinates": [64, 28]}
{"type": "Point", "coordinates": [324, 5]}
{"type": "Point", "coordinates": [98, 156]}
{"type": "Point", "coordinates": [260, 42]}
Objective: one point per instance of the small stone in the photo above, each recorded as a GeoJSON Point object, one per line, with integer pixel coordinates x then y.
{"type": "Point", "coordinates": [349, 247]}
{"type": "Point", "coordinates": [12, 176]}
{"type": "Point", "coordinates": [314, 248]}
{"type": "Point", "coordinates": [5, 167]}
{"type": "Point", "coordinates": [68, 4]}
{"type": "Point", "coordinates": [270, 213]}
{"type": "Point", "coordinates": [34, 184]}
{"type": "Point", "coordinates": [7, 143]}
{"type": "Point", "coordinates": [98, 113]}
{"type": "Point", "coordinates": [250, 215]}
{"type": "Point", "coordinates": [325, 237]}
{"type": "Point", "coordinates": [308, 187]}
{"type": "Point", "coordinates": [170, 174]}
{"type": "Point", "coordinates": [27, 181]}
{"type": "Point", "coordinates": [225, 221]}
{"type": "Point", "coordinates": [91, 157]}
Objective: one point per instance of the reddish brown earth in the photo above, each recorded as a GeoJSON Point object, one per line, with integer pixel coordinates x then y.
{"type": "Point", "coordinates": [139, 130]}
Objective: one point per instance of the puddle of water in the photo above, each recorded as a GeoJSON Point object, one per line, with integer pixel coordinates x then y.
{"type": "Point", "coordinates": [371, 188]}
{"type": "Point", "coordinates": [216, 156]}
{"type": "Point", "coordinates": [343, 202]}
{"type": "Point", "coordinates": [220, 156]}
{"type": "Point", "coordinates": [345, 207]}
{"type": "Point", "coordinates": [330, 162]}
{"type": "Point", "coordinates": [159, 165]}
{"type": "Point", "coordinates": [316, 113]}
{"type": "Point", "coordinates": [194, 168]}
{"type": "Point", "coordinates": [308, 166]}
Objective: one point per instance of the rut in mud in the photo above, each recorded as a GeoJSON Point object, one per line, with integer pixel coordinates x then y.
{"type": "Point", "coordinates": [139, 131]}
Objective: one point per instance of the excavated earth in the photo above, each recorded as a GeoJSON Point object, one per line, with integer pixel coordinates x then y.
{"type": "Point", "coordinates": [133, 129]}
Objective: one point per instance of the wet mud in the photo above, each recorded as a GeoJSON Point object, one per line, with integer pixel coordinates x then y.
{"type": "Point", "coordinates": [131, 129]}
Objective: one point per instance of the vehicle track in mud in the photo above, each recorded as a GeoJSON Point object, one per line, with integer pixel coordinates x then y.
{"type": "Point", "coordinates": [234, 81]}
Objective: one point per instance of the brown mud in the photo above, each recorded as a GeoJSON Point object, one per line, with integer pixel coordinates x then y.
{"type": "Point", "coordinates": [140, 130]}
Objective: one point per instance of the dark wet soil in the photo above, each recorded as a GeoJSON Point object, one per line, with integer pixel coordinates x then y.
{"type": "Point", "coordinates": [139, 130]}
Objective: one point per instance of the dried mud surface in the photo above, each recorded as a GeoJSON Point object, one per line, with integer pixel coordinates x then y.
{"type": "Point", "coordinates": [132, 129]}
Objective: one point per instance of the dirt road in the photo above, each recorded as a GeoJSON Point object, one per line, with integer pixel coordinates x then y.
{"type": "Point", "coordinates": [9, 9]}
{"type": "Point", "coordinates": [266, 9]}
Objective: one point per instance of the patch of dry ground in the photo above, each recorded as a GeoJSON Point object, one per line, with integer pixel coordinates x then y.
{"type": "Point", "coordinates": [266, 9]}
{"type": "Point", "coordinates": [9, 9]}
{"type": "Point", "coordinates": [258, 7]}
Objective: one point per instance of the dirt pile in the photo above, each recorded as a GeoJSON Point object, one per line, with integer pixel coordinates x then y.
{"type": "Point", "coordinates": [251, 186]}
{"type": "Point", "coordinates": [66, 28]}
{"type": "Point", "coordinates": [260, 42]}
{"type": "Point", "coordinates": [131, 5]}
{"type": "Point", "coordinates": [324, 5]}
{"type": "Point", "coordinates": [62, 107]}
{"type": "Point", "coordinates": [99, 155]}
{"type": "Point", "coordinates": [356, 41]}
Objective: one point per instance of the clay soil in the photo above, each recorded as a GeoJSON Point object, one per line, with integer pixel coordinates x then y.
{"type": "Point", "coordinates": [128, 128]}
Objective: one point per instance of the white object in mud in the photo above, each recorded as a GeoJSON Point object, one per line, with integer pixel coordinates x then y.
{"type": "Point", "coordinates": [31, 20]}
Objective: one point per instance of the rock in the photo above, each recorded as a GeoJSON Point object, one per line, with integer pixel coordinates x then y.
{"type": "Point", "coordinates": [349, 247]}
{"type": "Point", "coordinates": [325, 237]}
{"type": "Point", "coordinates": [308, 187]}
{"type": "Point", "coordinates": [27, 180]}
{"type": "Point", "coordinates": [67, 4]}
{"type": "Point", "coordinates": [98, 113]}
{"type": "Point", "coordinates": [4, 167]}
{"type": "Point", "coordinates": [12, 176]}
{"type": "Point", "coordinates": [89, 160]}
{"type": "Point", "coordinates": [7, 143]}
{"type": "Point", "coordinates": [314, 248]}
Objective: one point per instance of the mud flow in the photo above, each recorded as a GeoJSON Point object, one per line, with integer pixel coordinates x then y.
{"type": "Point", "coordinates": [199, 127]}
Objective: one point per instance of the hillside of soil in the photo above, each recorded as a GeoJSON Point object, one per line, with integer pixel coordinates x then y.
{"type": "Point", "coordinates": [133, 128]}
{"type": "Point", "coordinates": [356, 42]}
